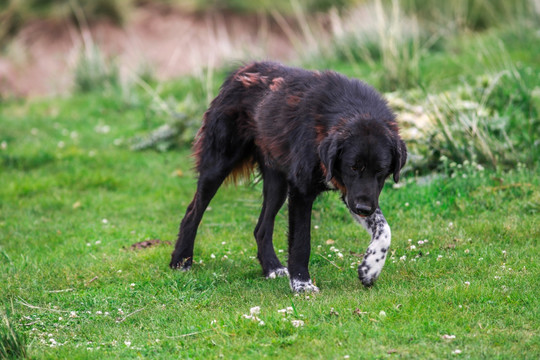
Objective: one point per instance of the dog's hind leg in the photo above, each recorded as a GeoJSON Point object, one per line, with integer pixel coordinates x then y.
{"type": "Point", "coordinates": [274, 193]}
{"type": "Point", "coordinates": [207, 186]}
{"type": "Point", "coordinates": [219, 151]}
{"type": "Point", "coordinates": [376, 253]}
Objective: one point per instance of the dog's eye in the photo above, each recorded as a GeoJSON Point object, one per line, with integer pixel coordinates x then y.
{"type": "Point", "coordinates": [358, 169]}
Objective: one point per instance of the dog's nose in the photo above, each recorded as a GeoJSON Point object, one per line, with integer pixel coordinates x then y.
{"type": "Point", "coordinates": [363, 210]}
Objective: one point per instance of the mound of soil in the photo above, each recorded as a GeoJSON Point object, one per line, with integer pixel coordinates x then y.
{"type": "Point", "coordinates": [41, 58]}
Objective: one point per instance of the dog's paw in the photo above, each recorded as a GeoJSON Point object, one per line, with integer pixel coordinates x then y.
{"type": "Point", "coordinates": [180, 264]}
{"type": "Point", "coordinates": [367, 274]}
{"type": "Point", "coordinates": [280, 272]}
{"type": "Point", "coordinates": [300, 286]}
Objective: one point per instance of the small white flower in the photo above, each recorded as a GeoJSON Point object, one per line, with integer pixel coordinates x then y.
{"type": "Point", "coordinates": [223, 242]}
{"type": "Point", "coordinates": [60, 318]}
{"type": "Point", "coordinates": [225, 257]}
{"type": "Point", "coordinates": [72, 314]}
{"type": "Point", "coordinates": [127, 343]}
{"type": "Point", "coordinates": [403, 258]}
{"type": "Point", "coordinates": [256, 310]}
{"type": "Point", "coordinates": [409, 240]}
{"type": "Point", "coordinates": [457, 351]}
{"type": "Point", "coordinates": [212, 256]}
{"type": "Point", "coordinates": [467, 283]}
{"type": "Point", "coordinates": [420, 242]}
{"type": "Point", "coordinates": [382, 313]}
{"type": "Point", "coordinates": [105, 221]}
{"type": "Point", "coordinates": [448, 337]}
{"type": "Point", "coordinates": [297, 323]}
{"type": "Point", "coordinates": [281, 250]}
{"type": "Point", "coordinates": [504, 252]}
{"type": "Point", "coordinates": [98, 242]}
{"type": "Point", "coordinates": [466, 251]}
{"type": "Point", "coordinates": [316, 227]}
{"type": "Point", "coordinates": [61, 144]}
{"type": "Point", "coordinates": [98, 312]}
{"type": "Point", "coordinates": [119, 271]}
{"type": "Point", "coordinates": [340, 255]}
{"type": "Point", "coordinates": [439, 257]}
{"type": "Point", "coordinates": [413, 247]}
{"type": "Point", "coordinates": [261, 323]}
{"type": "Point", "coordinates": [213, 322]}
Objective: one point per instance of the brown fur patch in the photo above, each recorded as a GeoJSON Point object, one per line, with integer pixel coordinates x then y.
{"type": "Point", "coordinates": [334, 182]}
{"type": "Point", "coordinates": [250, 78]}
{"type": "Point", "coordinates": [276, 84]}
{"type": "Point", "coordinates": [320, 130]}
{"type": "Point", "coordinates": [244, 170]}
{"type": "Point", "coordinates": [339, 186]}
{"type": "Point", "coordinates": [293, 100]}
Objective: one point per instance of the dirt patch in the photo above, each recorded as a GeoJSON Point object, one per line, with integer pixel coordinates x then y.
{"type": "Point", "coordinates": [148, 243]}
{"type": "Point", "coordinates": [41, 59]}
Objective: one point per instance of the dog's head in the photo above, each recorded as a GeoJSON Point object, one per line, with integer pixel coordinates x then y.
{"type": "Point", "coordinates": [358, 157]}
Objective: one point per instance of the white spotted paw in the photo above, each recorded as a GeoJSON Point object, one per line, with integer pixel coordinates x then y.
{"type": "Point", "coordinates": [281, 272]}
{"type": "Point", "coordinates": [367, 274]}
{"type": "Point", "coordinates": [299, 286]}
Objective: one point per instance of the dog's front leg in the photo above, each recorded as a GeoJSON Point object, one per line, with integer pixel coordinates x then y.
{"type": "Point", "coordinates": [375, 255]}
{"type": "Point", "coordinates": [300, 206]}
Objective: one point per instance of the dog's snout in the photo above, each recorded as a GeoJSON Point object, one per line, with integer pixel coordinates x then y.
{"type": "Point", "coordinates": [363, 210]}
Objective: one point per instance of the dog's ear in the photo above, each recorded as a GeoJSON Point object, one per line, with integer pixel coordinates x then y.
{"type": "Point", "coordinates": [400, 158]}
{"type": "Point", "coordinates": [328, 152]}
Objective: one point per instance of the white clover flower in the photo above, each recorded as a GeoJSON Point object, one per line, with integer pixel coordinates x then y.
{"type": "Point", "coordinates": [457, 351]}
{"type": "Point", "coordinates": [212, 256]}
{"type": "Point", "coordinates": [297, 323]}
{"type": "Point", "coordinates": [467, 283]}
{"type": "Point", "coordinates": [382, 313]}
{"type": "Point", "coordinates": [413, 247]}
{"type": "Point", "coordinates": [340, 255]}
{"type": "Point", "coordinates": [127, 343]}
{"type": "Point", "coordinates": [256, 310]}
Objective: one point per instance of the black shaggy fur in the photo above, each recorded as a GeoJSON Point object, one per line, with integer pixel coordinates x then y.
{"type": "Point", "coordinates": [306, 132]}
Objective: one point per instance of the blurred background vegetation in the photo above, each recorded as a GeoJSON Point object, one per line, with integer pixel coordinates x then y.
{"type": "Point", "coordinates": [462, 75]}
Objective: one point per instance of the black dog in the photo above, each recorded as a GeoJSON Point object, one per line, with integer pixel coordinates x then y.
{"type": "Point", "coordinates": [307, 132]}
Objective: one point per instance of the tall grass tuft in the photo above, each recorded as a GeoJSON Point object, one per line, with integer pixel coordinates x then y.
{"type": "Point", "coordinates": [495, 122]}
{"type": "Point", "coordinates": [93, 71]}
{"type": "Point", "coordinates": [13, 343]}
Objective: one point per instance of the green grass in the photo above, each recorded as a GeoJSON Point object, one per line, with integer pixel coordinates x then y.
{"type": "Point", "coordinates": [58, 255]}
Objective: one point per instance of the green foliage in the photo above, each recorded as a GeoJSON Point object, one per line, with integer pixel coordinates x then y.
{"type": "Point", "coordinates": [95, 72]}
{"type": "Point", "coordinates": [470, 14]}
{"type": "Point", "coordinates": [15, 13]}
{"type": "Point", "coordinates": [13, 343]}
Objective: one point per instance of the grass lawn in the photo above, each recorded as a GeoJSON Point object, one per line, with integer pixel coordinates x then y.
{"type": "Point", "coordinates": [74, 198]}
